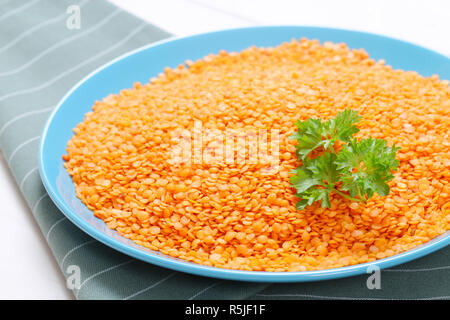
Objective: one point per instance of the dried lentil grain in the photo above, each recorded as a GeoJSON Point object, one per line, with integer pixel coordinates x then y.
{"type": "Point", "coordinates": [232, 216]}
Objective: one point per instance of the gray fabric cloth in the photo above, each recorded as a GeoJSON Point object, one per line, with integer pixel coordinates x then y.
{"type": "Point", "coordinates": [40, 60]}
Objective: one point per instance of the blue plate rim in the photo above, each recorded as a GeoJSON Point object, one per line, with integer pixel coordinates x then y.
{"type": "Point", "coordinates": [215, 272]}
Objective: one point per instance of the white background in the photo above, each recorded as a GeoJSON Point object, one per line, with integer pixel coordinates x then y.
{"type": "Point", "coordinates": [27, 267]}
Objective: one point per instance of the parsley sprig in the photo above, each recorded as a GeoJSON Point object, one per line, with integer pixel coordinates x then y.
{"type": "Point", "coordinates": [334, 161]}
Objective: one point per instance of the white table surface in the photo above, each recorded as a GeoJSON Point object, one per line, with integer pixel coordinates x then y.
{"type": "Point", "coordinates": [27, 267]}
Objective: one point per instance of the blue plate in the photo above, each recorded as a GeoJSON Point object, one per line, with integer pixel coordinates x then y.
{"type": "Point", "coordinates": [144, 63]}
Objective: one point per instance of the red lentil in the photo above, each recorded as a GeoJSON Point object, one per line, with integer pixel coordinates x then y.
{"type": "Point", "coordinates": [232, 216]}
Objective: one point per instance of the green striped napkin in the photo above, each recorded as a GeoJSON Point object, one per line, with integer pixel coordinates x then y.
{"type": "Point", "coordinates": [43, 54]}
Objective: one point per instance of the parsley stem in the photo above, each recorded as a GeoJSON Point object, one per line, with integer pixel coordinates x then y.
{"type": "Point", "coordinates": [346, 196]}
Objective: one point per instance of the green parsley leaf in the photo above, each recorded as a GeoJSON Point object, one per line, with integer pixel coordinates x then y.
{"type": "Point", "coordinates": [343, 126]}
{"type": "Point", "coordinates": [315, 180]}
{"type": "Point", "coordinates": [366, 167]}
{"type": "Point", "coordinates": [309, 136]}
{"type": "Point", "coordinates": [314, 133]}
{"type": "Point", "coordinates": [358, 171]}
